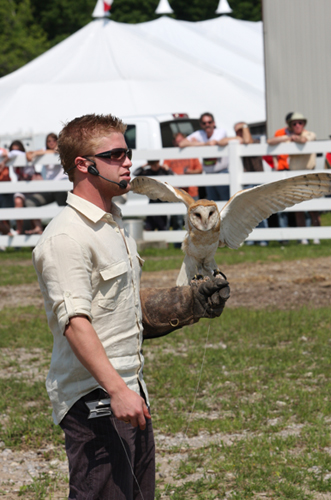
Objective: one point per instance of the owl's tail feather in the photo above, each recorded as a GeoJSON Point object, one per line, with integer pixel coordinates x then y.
{"type": "Point", "coordinates": [187, 271]}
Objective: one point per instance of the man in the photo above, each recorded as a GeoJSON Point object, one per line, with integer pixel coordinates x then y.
{"type": "Point", "coordinates": [89, 273]}
{"type": "Point", "coordinates": [296, 132]}
{"type": "Point", "coordinates": [209, 135]}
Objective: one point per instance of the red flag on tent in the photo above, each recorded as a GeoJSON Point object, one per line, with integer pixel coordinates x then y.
{"type": "Point", "coordinates": [107, 5]}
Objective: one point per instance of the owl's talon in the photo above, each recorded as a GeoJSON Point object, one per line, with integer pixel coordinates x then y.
{"type": "Point", "coordinates": [197, 277]}
{"type": "Point", "coordinates": [216, 272]}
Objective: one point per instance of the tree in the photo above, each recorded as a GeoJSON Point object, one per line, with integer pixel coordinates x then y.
{"type": "Point", "coordinates": [61, 18]}
{"type": "Point", "coordinates": [21, 39]}
{"type": "Point", "coordinates": [131, 11]}
{"type": "Point", "coordinates": [249, 10]}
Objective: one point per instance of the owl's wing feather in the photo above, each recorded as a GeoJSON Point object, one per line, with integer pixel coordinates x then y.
{"type": "Point", "coordinates": [247, 208]}
{"type": "Point", "coordinates": [157, 190]}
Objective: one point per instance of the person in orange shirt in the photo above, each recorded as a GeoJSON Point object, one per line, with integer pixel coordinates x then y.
{"type": "Point", "coordinates": [181, 167]}
{"type": "Point", "coordinates": [281, 135]}
{"type": "Point", "coordinates": [296, 132]}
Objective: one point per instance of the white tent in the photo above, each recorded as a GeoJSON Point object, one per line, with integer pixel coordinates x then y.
{"type": "Point", "coordinates": [162, 66]}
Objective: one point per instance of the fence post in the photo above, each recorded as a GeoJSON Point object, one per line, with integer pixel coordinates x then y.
{"type": "Point", "coordinates": [235, 167]}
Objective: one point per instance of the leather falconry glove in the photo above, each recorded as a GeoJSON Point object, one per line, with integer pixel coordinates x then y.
{"type": "Point", "coordinates": [167, 309]}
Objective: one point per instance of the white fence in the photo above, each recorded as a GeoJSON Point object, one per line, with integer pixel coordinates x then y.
{"type": "Point", "coordinates": [137, 206]}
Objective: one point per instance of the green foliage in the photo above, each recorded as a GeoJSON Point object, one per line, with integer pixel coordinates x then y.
{"type": "Point", "coordinates": [133, 12]}
{"type": "Point", "coordinates": [129, 11]}
{"type": "Point", "coordinates": [21, 38]}
{"type": "Point", "coordinates": [61, 18]}
{"type": "Point", "coordinates": [249, 10]}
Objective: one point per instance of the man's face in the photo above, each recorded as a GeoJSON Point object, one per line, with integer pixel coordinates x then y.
{"type": "Point", "coordinates": [207, 124]}
{"type": "Point", "coordinates": [297, 126]}
{"type": "Point", "coordinates": [112, 168]}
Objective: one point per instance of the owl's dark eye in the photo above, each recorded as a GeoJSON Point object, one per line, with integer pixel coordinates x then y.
{"type": "Point", "coordinates": [211, 213]}
{"type": "Point", "coordinates": [198, 215]}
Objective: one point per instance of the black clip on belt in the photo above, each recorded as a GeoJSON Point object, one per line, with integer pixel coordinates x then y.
{"type": "Point", "coordinates": [99, 408]}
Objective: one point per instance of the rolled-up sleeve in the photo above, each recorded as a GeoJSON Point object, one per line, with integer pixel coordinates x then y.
{"type": "Point", "coordinates": [65, 272]}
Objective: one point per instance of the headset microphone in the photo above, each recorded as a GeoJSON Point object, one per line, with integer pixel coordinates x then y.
{"type": "Point", "coordinates": [92, 169]}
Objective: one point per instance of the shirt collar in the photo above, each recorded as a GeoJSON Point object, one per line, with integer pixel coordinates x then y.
{"type": "Point", "coordinates": [89, 210]}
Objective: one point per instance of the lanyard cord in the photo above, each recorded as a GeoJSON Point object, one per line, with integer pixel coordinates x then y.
{"type": "Point", "coordinates": [198, 385]}
{"type": "Point", "coordinates": [128, 459]}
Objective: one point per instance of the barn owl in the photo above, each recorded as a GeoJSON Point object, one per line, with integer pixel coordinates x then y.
{"type": "Point", "coordinates": [208, 229]}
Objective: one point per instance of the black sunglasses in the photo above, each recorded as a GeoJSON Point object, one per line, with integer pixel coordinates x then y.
{"type": "Point", "coordinates": [118, 154]}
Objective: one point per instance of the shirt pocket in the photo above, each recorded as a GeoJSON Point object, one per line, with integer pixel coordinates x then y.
{"type": "Point", "coordinates": [113, 285]}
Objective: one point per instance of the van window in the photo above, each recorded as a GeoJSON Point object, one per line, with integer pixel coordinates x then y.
{"type": "Point", "coordinates": [168, 129]}
{"type": "Point", "coordinates": [130, 136]}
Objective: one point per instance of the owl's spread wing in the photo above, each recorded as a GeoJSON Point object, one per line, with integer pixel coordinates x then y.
{"type": "Point", "coordinates": [157, 190]}
{"type": "Point", "coordinates": [247, 208]}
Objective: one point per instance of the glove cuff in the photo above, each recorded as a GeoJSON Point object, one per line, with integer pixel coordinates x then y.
{"type": "Point", "coordinates": [166, 309]}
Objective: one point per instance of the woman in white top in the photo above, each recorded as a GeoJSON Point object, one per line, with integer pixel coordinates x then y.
{"type": "Point", "coordinates": [49, 172]}
{"type": "Point", "coordinates": [26, 173]}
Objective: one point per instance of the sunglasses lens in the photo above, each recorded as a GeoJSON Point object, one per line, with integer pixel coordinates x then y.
{"type": "Point", "coordinates": [117, 155]}
{"type": "Point", "coordinates": [120, 154]}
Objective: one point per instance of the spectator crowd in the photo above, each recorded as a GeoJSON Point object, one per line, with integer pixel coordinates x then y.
{"type": "Point", "coordinates": [208, 135]}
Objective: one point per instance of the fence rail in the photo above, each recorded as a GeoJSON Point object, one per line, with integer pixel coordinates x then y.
{"type": "Point", "coordinates": [137, 206]}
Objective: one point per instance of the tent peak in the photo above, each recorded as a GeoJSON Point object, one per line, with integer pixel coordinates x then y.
{"type": "Point", "coordinates": [223, 7]}
{"type": "Point", "coordinates": [164, 8]}
{"type": "Point", "coordinates": [102, 9]}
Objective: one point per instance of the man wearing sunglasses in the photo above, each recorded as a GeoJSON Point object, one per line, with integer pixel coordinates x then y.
{"type": "Point", "coordinates": [209, 135]}
{"type": "Point", "coordinates": [296, 132]}
{"type": "Point", "coordinates": [89, 273]}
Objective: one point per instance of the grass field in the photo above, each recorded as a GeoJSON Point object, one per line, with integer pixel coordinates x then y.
{"type": "Point", "coordinates": [241, 404]}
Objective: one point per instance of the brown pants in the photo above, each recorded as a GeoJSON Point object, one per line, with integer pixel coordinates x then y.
{"type": "Point", "coordinates": [99, 467]}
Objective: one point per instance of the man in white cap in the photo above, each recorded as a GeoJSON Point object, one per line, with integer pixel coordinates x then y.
{"type": "Point", "coordinates": [296, 132]}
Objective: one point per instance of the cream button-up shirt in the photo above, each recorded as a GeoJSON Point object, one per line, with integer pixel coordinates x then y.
{"type": "Point", "coordinates": [87, 264]}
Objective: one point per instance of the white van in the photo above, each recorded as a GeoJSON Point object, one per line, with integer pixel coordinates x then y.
{"type": "Point", "coordinates": [157, 131]}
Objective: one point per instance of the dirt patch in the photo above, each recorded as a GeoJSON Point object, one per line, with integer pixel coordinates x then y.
{"type": "Point", "coordinates": [279, 285]}
{"type": "Point", "coordinates": [20, 295]}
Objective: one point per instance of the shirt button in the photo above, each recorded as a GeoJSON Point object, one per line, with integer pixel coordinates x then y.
{"type": "Point", "coordinates": [117, 230]}
{"type": "Point", "coordinates": [67, 294]}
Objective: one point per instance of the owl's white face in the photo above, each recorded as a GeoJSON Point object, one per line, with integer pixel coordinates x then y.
{"type": "Point", "coordinates": [204, 217]}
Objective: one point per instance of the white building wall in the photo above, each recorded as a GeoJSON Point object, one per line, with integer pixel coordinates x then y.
{"type": "Point", "coordinates": [297, 41]}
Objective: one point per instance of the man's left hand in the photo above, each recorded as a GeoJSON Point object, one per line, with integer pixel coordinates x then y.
{"type": "Point", "coordinates": [210, 296]}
